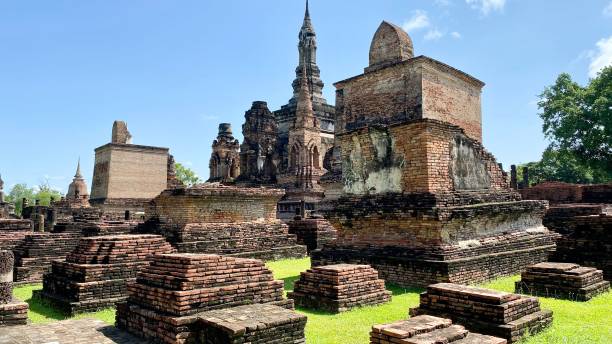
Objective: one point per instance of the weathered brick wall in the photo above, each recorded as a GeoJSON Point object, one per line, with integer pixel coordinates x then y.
{"type": "Point", "coordinates": [417, 156]}
{"type": "Point", "coordinates": [129, 171]}
{"type": "Point", "coordinates": [560, 192]}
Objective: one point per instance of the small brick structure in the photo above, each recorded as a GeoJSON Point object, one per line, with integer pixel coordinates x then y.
{"type": "Point", "coordinates": [338, 288]}
{"type": "Point", "coordinates": [15, 225]}
{"type": "Point", "coordinates": [169, 301]}
{"type": "Point", "coordinates": [563, 281]}
{"type": "Point", "coordinates": [12, 311]}
{"type": "Point", "coordinates": [218, 219]}
{"type": "Point", "coordinates": [95, 275]}
{"type": "Point", "coordinates": [255, 324]}
{"type": "Point", "coordinates": [312, 232]}
{"type": "Point", "coordinates": [424, 329]}
{"type": "Point", "coordinates": [486, 311]}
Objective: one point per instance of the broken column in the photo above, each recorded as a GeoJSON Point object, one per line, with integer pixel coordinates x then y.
{"type": "Point", "coordinates": [425, 329]}
{"type": "Point", "coordinates": [562, 281]}
{"type": "Point", "coordinates": [423, 201]}
{"type": "Point", "coordinates": [12, 311]}
{"type": "Point", "coordinates": [491, 312]}
{"type": "Point", "coordinates": [95, 275]}
{"type": "Point", "coordinates": [339, 288]}
{"type": "Point", "coordinates": [170, 302]}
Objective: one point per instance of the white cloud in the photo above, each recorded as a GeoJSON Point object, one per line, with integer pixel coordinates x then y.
{"type": "Point", "coordinates": [433, 35]}
{"type": "Point", "coordinates": [607, 11]}
{"type": "Point", "coordinates": [486, 6]}
{"type": "Point", "coordinates": [456, 35]}
{"type": "Point", "coordinates": [602, 57]}
{"type": "Point", "coordinates": [418, 21]}
{"type": "Point", "coordinates": [442, 3]}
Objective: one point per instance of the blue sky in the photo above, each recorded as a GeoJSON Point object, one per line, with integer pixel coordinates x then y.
{"type": "Point", "coordinates": [174, 69]}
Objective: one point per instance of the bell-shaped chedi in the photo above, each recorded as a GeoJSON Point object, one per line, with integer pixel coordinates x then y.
{"type": "Point", "coordinates": [390, 45]}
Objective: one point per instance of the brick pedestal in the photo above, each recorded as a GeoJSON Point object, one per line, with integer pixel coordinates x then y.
{"type": "Point", "coordinates": [338, 288]}
{"type": "Point", "coordinates": [312, 232]}
{"type": "Point", "coordinates": [171, 296]}
{"type": "Point", "coordinates": [12, 311]}
{"type": "Point", "coordinates": [424, 329]}
{"type": "Point", "coordinates": [95, 275]}
{"type": "Point", "coordinates": [486, 311]}
{"type": "Point", "coordinates": [562, 281]}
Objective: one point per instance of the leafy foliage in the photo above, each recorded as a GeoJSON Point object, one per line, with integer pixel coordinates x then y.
{"type": "Point", "coordinates": [186, 175]}
{"type": "Point", "coordinates": [43, 192]}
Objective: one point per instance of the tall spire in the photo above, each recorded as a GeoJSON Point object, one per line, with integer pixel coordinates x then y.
{"type": "Point", "coordinates": [307, 15]}
{"type": "Point", "coordinates": [78, 171]}
{"type": "Point", "coordinates": [304, 115]}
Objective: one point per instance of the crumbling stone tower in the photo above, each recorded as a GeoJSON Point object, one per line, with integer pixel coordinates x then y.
{"type": "Point", "coordinates": [422, 200]}
{"type": "Point", "coordinates": [225, 159]}
{"type": "Point", "coordinates": [77, 190]}
{"type": "Point", "coordinates": [258, 155]}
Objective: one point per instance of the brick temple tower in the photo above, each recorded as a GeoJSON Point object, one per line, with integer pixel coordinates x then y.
{"type": "Point", "coordinates": [225, 159]}
{"type": "Point", "coordinates": [77, 190]}
{"type": "Point", "coordinates": [307, 69]}
{"type": "Point", "coordinates": [258, 155]}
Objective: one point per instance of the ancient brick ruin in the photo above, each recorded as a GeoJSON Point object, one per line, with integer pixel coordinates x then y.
{"type": "Point", "coordinates": [423, 201]}
{"type": "Point", "coordinates": [95, 274]}
{"type": "Point", "coordinates": [225, 157]}
{"type": "Point", "coordinates": [12, 311]}
{"type": "Point", "coordinates": [427, 329]}
{"type": "Point", "coordinates": [339, 288]}
{"type": "Point", "coordinates": [563, 281]}
{"type": "Point", "coordinates": [495, 313]}
{"type": "Point", "coordinates": [228, 220]}
{"type": "Point", "coordinates": [259, 156]}
{"type": "Point", "coordinates": [181, 297]}
{"type": "Point", "coordinates": [314, 232]}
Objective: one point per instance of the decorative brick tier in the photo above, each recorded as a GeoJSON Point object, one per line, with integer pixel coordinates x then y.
{"type": "Point", "coordinates": [228, 220]}
{"type": "Point", "coordinates": [562, 280]}
{"type": "Point", "coordinates": [34, 255]}
{"type": "Point", "coordinates": [426, 329]}
{"type": "Point", "coordinates": [12, 311]}
{"type": "Point", "coordinates": [254, 324]}
{"type": "Point", "coordinates": [312, 232]}
{"type": "Point", "coordinates": [9, 240]}
{"type": "Point", "coordinates": [490, 312]}
{"type": "Point", "coordinates": [15, 225]}
{"type": "Point", "coordinates": [338, 288]}
{"type": "Point", "coordinates": [95, 275]}
{"type": "Point", "coordinates": [167, 299]}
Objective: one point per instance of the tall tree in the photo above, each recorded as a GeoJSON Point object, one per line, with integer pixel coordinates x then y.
{"type": "Point", "coordinates": [43, 193]}
{"type": "Point", "coordinates": [186, 175]}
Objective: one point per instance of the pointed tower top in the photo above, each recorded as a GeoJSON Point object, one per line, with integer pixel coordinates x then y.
{"type": "Point", "coordinates": [78, 171]}
{"type": "Point", "coordinates": [304, 112]}
{"type": "Point", "coordinates": [307, 25]}
{"type": "Point", "coordinates": [307, 14]}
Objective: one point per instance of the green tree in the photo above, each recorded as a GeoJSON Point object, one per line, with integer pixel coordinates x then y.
{"type": "Point", "coordinates": [186, 175]}
{"type": "Point", "coordinates": [43, 192]}
{"type": "Point", "coordinates": [558, 165]}
{"type": "Point", "coordinates": [578, 121]}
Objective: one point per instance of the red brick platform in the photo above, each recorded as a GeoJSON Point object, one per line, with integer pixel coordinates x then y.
{"type": "Point", "coordinates": [486, 311]}
{"type": "Point", "coordinates": [172, 295]}
{"type": "Point", "coordinates": [338, 288]}
{"type": "Point", "coordinates": [563, 281]}
{"type": "Point", "coordinates": [95, 275]}
{"type": "Point", "coordinates": [425, 329]}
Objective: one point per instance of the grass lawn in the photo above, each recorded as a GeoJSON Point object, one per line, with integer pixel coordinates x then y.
{"type": "Point", "coordinates": [574, 322]}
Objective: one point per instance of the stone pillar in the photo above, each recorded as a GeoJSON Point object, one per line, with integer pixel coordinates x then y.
{"type": "Point", "coordinates": [513, 180]}
{"type": "Point", "coordinates": [37, 202]}
{"type": "Point", "coordinates": [52, 218]}
{"type": "Point", "coordinates": [525, 177]}
{"type": "Point", "coordinates": [126, 216]}
{"type": "Point", "coordinates": [7, 261]}
{"type": "Point", "coordinates": [39, 223]}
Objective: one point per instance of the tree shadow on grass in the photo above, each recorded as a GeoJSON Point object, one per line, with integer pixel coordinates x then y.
{"type": "Point", "coordinates": [44, 308]}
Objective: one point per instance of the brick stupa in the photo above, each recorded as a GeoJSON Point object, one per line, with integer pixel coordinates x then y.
{"type": "Point", "coordinates": [486, 311]}
{"type": "Point", "coordinates": [563, 281]}
{"type": "Point", "coordinates": [339, 288]}
{"type": "Point", "coordinates": [426, 329]}
{"type": "Point", "coordinates": [218, 219]}
{"type": "Point", "coordinates": [181, 297]}
{"type": "Point", "coordinates": [12, 311]}
{"type": "Point", "coordinates": [423, 201]}
{"type": "Point", "coordinates": [95, 275]}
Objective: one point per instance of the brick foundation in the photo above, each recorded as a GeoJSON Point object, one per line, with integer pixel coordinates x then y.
{"type": "Point", "coordinates": [495, 313]}
{"type": "Point", "coordinates": [12, 311]}
{"type": "Point", "coordinates": [562, 281]}
{"type": "Point", "coordinates": [339, 288]}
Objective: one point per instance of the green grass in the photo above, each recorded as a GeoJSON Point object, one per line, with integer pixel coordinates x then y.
{"type": "Point", "coordinates": [574, 322]}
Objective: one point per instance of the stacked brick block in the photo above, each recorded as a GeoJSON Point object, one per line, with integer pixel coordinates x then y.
{"type": "Point", "coordinates": [228, 220]}
{"type": "Point", "coordinates": [12, 311]}
{"type": "Point", "coordinates": [169, 301]}
{"type": "Point", "coordinates": [314, 233]}
{"type": "Point", "coordinates": [95, 275]}
{"type": "Point", "coordinates": [33, 256]}
{"type": "Point", "coordinates": [562, 280]}
{"type": "Point", "coordinates": [486, 311]}
{"type": "Point", "coordinates": [339, 288]}
{"type": "Point", "coordinates": [424, 329]}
